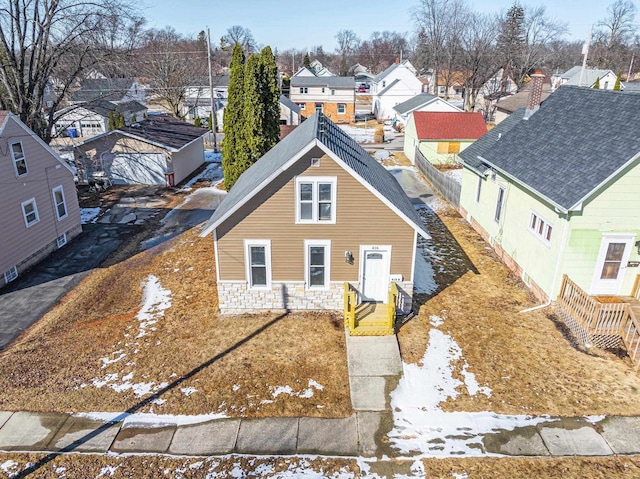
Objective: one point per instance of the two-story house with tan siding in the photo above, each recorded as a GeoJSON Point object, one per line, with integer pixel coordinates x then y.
{"type": "Point", "coordinates": [335, 97]}
{"type": "Point", "coordinates": [314, 212]}
{"type": "Point", "coordinates": [39, 209]}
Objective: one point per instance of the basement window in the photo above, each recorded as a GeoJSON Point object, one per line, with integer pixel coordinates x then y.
{"type": "Point", "coordinates": [11, 275]}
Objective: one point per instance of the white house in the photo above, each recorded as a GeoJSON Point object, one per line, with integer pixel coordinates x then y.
{"type": "Point", "coordinates": [396, 84]}
{"type": "Point", "coordinates": [575, 77]}
{"type": "Point", "coordinates": [115, 90]}
{"type": "Point", "coordinates": [422, 102]}
{"type": "Point", "coordinates": [289, 112]}
{"type": "Point", "coordinates": [92, 119]}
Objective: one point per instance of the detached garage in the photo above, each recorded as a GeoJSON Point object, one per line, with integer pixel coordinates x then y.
{"type": "Point", "coordinates": [157, 151]}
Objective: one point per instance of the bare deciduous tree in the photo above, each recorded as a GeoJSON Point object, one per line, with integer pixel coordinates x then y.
{"type": "Point", "coordinates": [240, 35]}
{"type": "Point", "coordinates": [42, 41]}
{"type": "Point", "coordinates": [348, 44]}
{"type": "Point", "coordinates": [614, 36]}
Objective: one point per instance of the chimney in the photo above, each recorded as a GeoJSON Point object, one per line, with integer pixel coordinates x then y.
{"type": "Point", "coordinates": [535, 94]}
{"type": "Point", "coordinates": [397, 60]}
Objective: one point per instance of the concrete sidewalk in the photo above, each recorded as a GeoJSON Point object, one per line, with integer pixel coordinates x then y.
{"type": "Point", "coordinates": [361, 434]}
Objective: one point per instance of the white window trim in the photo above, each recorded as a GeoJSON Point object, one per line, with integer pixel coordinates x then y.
{"type": "Point", "coordinates": [479, 188]}
{"type": "Point", "coordinates": [35, 209]}
{"type": "Point", "coordinates": [315, 180]}
{"type": "Point", "coordinates": [11, 275]}
{"type": "Point", "coordinates": [61, 240]}
{"type": "Point", "coordinates": [247, 261]}
{"type": "Point", "coordinates": [534, 230]}
{"type": "Point", "coordinates": [64, 201]}
{"type": "Point", "coordinates": [344, 112]}
{"type": "Point", "coordinates": [498, 217]}
{"type": "Point", "coordinates": [13, 158]}
{"type": "Point", "coordinates": [327, 260]}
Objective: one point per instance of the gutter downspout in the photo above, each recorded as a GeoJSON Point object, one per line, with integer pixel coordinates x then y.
{"type": "Point", "coordinates": [555, 272]}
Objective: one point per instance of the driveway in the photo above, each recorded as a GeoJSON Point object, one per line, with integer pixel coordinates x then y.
{"type": "Point", "coordinates": [25, 301]}
{"type": "Point", "coordinates": [417, 191]}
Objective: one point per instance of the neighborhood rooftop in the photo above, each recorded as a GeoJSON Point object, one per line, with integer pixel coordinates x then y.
{"type": "Point", "coordinates": [413, 103]}
{"type": "Point", "coordinates": [102, 88]}
{"type": "Point", "coordinates": [590, 76]}
{"type": "Point", "coordinates": [331, 82]}
{"type": "Point", "coordinates": [164, 130]}
{"type": "Point", "coordinates": [320, 128]}
{"type": "Point", "coordinates": [289, 104]}
{"type": "Point", "coordinates": [574, 143]}
{"type": "Point", "coordinates": [431, 125]}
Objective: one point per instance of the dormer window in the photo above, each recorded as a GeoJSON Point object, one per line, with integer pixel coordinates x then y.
{"type": "Point", "coordinates": [316, 199]}
{"type": "Point", "coordinates": [19, 161]}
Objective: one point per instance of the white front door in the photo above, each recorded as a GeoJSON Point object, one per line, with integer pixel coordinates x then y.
{"type": "Point", "coordinates": [612, 264]}
{"type": "Point", "coordinates": [375, 274]}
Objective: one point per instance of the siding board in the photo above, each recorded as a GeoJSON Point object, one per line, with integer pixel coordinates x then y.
{"type": "Point", "coordinates": [361, 218]}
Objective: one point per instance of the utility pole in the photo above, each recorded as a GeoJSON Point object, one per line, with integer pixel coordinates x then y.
{"type": "Point", "coordinates": [630, 67]}
{"type": "Point", "coordinates": [585, 52]}
{"type": "Point", "coordinates": [214, 126]}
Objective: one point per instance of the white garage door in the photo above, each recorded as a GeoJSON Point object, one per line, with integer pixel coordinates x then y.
{"type": "Point", "coordinates": [138, 168]}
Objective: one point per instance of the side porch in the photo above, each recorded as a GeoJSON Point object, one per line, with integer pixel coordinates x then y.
{"type": "Point", "coordinates": [602, 321]}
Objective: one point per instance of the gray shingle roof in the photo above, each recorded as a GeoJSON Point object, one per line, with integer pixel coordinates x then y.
{"type": "Point", "coordinates": [289, 104]}
{"type": "Point", "coordinates": [342, 145]}
{"type": "Point", "coordinates": [388, 87]}
{"type": "Point", "coordinates": [414, 103]}
{"type": "Point", "coordinates": [576, 140]}
{"type": "Point", "coordinates": [383, 74]}
{"type": "Point", "coordinates": [483, 144]}
{"type": "Point", "coordinates": [112, 89]}
{"type": "Point", "coordinates": [590, 75]}
{"type": "Point", "coordinates": [330, 82]}
{"type": "Point", "coordinates": [165, 130]}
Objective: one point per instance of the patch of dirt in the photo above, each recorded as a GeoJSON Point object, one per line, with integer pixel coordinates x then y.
{"type": "Point", "coordinates": [523, 357]}
{"type": "Point", "coordinates": [210, 364]}
{"type": "Point", "coordinates": [113, 195]}
{"type": "Point", "coordinates": [397, 158]}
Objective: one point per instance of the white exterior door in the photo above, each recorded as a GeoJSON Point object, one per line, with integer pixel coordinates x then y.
{"type": "Point", "coordinates": [612, 264]}
{"type": "Point", "coordinates": [375, 273]}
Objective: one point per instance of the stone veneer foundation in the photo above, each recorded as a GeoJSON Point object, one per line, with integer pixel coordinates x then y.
{"type": "Point", "coordinates": [235, 297]}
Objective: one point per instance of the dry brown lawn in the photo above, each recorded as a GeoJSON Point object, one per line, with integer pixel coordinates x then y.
{"type": "Point", "coordinates": [525, 358]}
{"type": "Point", "coordinates": [140, 466]}
{"type": "Point", "coordinates": [199, 362]}
{"type": "Point", "coordinates": [397, 158]}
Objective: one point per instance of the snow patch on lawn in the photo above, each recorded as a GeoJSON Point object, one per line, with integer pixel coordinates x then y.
{"type": "Point", "coordinates": [188, 391]}
{"type": "Point", "coordinates": [212, 173]}
{"type": "Point", "coordinates": [108, 471]}
{"type": "Point", "coordinates": [155, 301]}
{"type": "Point", "coordinates": [420, 424]}
{"type": "Point", "coordinates": [455, 174]}
{"type": "Point", "coordinates": [89, 215]}
{"type": "Point", "coordinates": [305, 393]}
{"type": "Point", "coordinates": [360, 135]}
{"type": "Point", "coordinates": [9, 467]}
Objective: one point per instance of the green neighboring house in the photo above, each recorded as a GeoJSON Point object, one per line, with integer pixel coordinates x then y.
{"type": "Point", "coordinates": [555, 190]}
{"type": "Point", "coordinates": [440, 136]}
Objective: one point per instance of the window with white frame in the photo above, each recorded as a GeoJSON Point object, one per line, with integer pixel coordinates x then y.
{"type": "Point", "coordinates": [302, 105]}
{"type": "Point", "coordinates": [30, 212]}
{"type": "Point", "coordinates": [540, 227]}
{"type": "Point", "coordinates": [11, 275]}
{"type": "Point", "coordinates": [59, 202]}
{"type": "Point", "coordinates": [342, 108]}
{"type": "Point", "coordinates": [61, 240]}
{"type": "Point", "coordinates": [316, 199]}
{"type": "Point", "coordinates": [499, 203]}
{"type": "Point", "coordinates": [317, 263]}
{"type": "Point", "coordinates": [258, 262]}
{"type": "Point", "coordinates": [479, 189]}
{"type": "Point", "coordinates": [19, 161]}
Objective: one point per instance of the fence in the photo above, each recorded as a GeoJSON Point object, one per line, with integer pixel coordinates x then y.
{"type": "Point", "coordinates": [443, 184]}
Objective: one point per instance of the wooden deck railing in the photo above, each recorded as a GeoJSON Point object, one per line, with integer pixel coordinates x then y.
{"type": "Point", "coordinates": [600, 320]}
{"type": "Point", "coordinates": [349, 306]}
{"type": "Point", "coordinates": [393, 301]}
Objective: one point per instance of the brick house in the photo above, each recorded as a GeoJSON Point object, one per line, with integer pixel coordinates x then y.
{"type": "Point", "coordinates": [333, 96]}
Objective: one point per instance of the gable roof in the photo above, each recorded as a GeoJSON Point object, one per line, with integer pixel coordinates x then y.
{"type": "Point", "coordinates": [590, 75]}
{"type": "Point", "coordinates": [519, 100]}
{"type": "Point", "coordinates": [330, 82]}
{"type": "Point", "coordinates": [579, 139]}
{"type": "Point", "coordinates": [481, 146]}
{"type": "Point", "coordinates": [102, 88]}
{"type": "Point", "coordinates": [289, 104]}
{"type": "Point", "coordinates": [382, 75]}
{"type": "Point", "coordinates": [161, 130]}
{"type": "Point", "coordinates": [414, 103]}
{"type": "Point", "coordinates": [432, 125]}
{"type": "Point", "coordinates": [319, 131]}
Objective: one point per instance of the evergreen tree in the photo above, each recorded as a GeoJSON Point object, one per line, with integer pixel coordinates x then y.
{"type": "Point", "coordinates": [232, 143]}
{"type": "Point", "coordinates": [133, 118]}
{"type": "Point", "coordinates": [197, 121]}
{"type": "Point", "coordinates": [596, 85]}
{"type": "Point", "coordinates": [112, 121]}
{"type": "Point", "coordinates": [144, 115]}
{"type": "Point", "coordinates": [618, 85]}
{"type": "Point", "coordinates": [307, 61]}
{"type": "Point", "coordinates": [511, 41]}
{"type": "Point", "coordinates": [209, 121]}
{"type": "Point", "coordinates": [270, 99]}
{"type": "Point", "coordinates": [252, 126]}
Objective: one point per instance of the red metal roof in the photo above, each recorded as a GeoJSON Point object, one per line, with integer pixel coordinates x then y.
{"type": "Point", "coordinates": [431, 125]}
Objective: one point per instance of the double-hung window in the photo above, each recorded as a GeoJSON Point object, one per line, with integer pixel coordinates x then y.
{"type": "Point", "coordinates": [499, 203]}
{"type": "Point", "coordinates": [317, 263]}
{"type": "Point", "coordinates": [258, 262]}
{"type": "Point", "coordinates": [342, 108]}
{"type": "Point", "coordinates": [30, 212]}
{"type": "Point", "coordinates": [540, 227]}
{"type": "Point", "coordinates": [19, 161]}
{"type": "Point", "coordinates": [59, 202]}
{"type": "Point", "coordinates": [315, 199]}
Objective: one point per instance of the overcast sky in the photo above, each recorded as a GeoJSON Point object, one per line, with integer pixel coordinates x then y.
{"type": "Point", "coordinates": [286, 24]}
